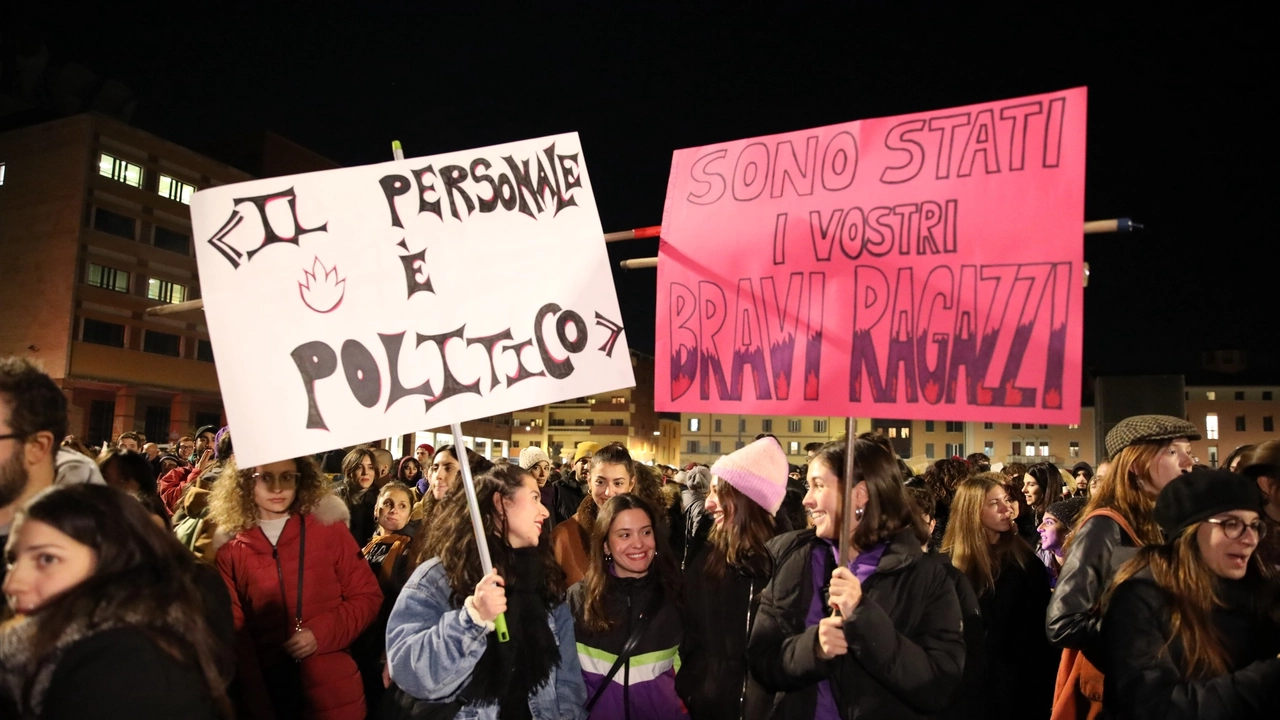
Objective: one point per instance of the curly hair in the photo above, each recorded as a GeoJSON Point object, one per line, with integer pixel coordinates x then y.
{"type": "Point", "coordinates": [231, 505]}
{"type": "Point", "coordinates": [452, 538]}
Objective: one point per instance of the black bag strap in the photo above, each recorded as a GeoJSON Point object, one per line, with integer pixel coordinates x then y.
{"type": "Point", "coordinates": [642, 624]}
{"type": "Point", "coordinates": [302, 553]}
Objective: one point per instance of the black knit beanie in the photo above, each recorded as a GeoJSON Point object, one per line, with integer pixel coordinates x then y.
{"type": "Point", "coordinates": [1201, 494]}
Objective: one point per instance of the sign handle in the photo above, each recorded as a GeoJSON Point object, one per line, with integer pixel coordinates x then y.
{"type": "Point", "coordinates": [846, 513]}
{"type": "Point", "coordinates": [477, 523]}
{"type": "Point", "coordinates": [473, 504]}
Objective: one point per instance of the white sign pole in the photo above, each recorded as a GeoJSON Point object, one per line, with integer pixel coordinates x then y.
{"type": "Point", "coordinates": [473, 503]}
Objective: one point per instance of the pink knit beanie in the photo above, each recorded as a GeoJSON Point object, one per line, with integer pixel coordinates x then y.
{"type": "Point", "coordinates": [758, 471]}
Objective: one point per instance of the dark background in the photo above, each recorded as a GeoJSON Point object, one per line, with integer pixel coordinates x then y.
{"type": "Point", "coordinates": [1179, 135]}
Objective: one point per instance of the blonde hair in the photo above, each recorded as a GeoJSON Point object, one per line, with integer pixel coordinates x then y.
{"type": "Point", "coordinates": [966, 540]}
{"type": "Point", "coordinates": [231, 504]}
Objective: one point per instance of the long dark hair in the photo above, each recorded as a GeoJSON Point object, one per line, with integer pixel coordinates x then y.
{"type": "Point", "coordinates": [142, 575]}
{"type": "Point", "coordinates": [598, 578]}
{"type": "Point", "coordinates": [1180, 569]}
{"type": "Point", "coordinates": [130, 465]}
{"type": "Point", "coordinates": [452, 539]}
{"type": "Point", "coordinates": [1050, 480]}
{"type": "Point", "coordinates": [739, 541]}
{"type": "Point", "coordinates": [889, 510]}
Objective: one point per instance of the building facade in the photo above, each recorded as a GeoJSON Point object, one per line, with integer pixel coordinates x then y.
{"type": "Point", "coordinates": [94, 229]}
{"type": "Point", "coordinates": [920, 442]}
{"type": "Point", "coordinates": [1231, 416]}
{"type": "Point", "coordinates": [626, 416]}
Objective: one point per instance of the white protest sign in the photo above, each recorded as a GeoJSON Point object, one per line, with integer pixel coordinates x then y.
{"type": "Point", "coordinates": [361, 303]}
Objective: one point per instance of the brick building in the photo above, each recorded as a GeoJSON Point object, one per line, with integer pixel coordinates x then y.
{"type": "Point", "coordinates": [95, 229]}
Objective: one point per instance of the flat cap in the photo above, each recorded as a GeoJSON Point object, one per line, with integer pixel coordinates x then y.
{"type": "Point", "coordinates": [1148, 428]}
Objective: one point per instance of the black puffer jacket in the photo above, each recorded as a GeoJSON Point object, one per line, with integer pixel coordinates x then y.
{"type": "Point", "coordinates": [1147, 676]}
{"type": "Point", "coordinates": [1100, 546]}
{"type": "Point", "coordinates": [906, 643]}
{"type": "Point", "coordinates": [713, 655]}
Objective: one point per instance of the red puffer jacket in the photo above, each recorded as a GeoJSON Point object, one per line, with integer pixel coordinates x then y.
{"type": "Point", "coordinates": [340, 598]}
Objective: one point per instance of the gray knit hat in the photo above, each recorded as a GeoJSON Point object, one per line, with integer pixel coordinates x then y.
{"type": "Point", "coordinates": [1145, 428]}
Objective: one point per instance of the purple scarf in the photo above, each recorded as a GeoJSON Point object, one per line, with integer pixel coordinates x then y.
{"type": "Point", "coordinates": [862, 567]}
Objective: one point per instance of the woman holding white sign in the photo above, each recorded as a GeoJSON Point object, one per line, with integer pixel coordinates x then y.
{"type": "Point", "coordinates": [876, 635]}
{"type": "Point", "coordinates": [442, 650]}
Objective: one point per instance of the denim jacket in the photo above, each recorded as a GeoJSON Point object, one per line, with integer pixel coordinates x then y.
{"type": "Point", "coordinates": [433, 647]}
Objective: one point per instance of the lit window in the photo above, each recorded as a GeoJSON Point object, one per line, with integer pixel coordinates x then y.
{"type": "Point", "coordinates": [694, 425]}
{"type": "Point", "coordinates": [1, 173]}
{"type": "Point", "coordinates": [1073, 449]}
{"type": "Point", "coordinates": [175, 189]}
{"type": "Point", "coordinates": [988, 448]}
{"type": "Point", "coordinates": [165, 291]}
{"type": "Point", "coordinates": [1073, 427]}
{"type": "Point", "coordinates": [893, 432]}
{"type": "Point", "coordinates": [906, 433]}
{"type": "Point", "coordinates": [117, 169]}
{"type": "Point", "coordinates": [1210, 395]}
{"type": "Point", "coordinates": [108, 278]}
{"type": "Point", "coordinates": [1211, 426]}
{"type": "Point", "coordinates": [793, 448]}
{"type": "Point", "coordinates": [619, 400]}
{"type": "Point", "coordinates": [1044, 449]}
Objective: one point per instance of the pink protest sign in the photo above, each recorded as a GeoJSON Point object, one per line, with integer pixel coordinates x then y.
{"type": "Point", "coordinates": [925, 266]}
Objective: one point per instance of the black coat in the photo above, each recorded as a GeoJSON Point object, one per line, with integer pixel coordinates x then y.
{"type": "Point", "coordinates": [1097, 550]}
{"type": "Point", "coordinates": [1021, 665]}
{"type": "Point", "coordinates": [1146, 677]}
{"type": "Point", "coordinates": [906, 643]}
{"type": "Point", "coordinates": [569, 496]}
{"type": "Point", "coordinates": [969, 699]}
{"type": "Point", "coordinates": [122, 674]}
{"type": "Point", "coordinates": [713, 655]}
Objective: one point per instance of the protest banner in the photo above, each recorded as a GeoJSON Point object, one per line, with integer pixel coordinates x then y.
{"type": "Point", "coordinates": [924, 266]}
{"type": "Point", "coordinates": [361, 303]}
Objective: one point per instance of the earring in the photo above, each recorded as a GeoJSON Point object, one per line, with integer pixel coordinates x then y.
{"type": "Point", "coordinates": [857, 514]}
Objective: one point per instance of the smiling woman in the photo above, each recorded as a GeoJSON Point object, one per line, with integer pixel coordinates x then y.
{"type": "Point", "coordinates": [631, 590]}
{"type": "Point", "coordinates": [1190, 628]}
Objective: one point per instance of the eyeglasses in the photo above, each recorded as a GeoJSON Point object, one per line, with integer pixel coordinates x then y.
{"type": "Point", "coordinates": [1233, 527]}
{"type": "Point", "coordinates": [284, 480]}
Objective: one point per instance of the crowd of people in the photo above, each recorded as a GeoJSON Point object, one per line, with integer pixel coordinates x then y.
{"type": "Point", "coordinates": [142, 583]}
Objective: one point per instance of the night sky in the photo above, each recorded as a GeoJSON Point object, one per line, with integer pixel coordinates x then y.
{"type": "Point", "coordinates": [1179, 139]}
